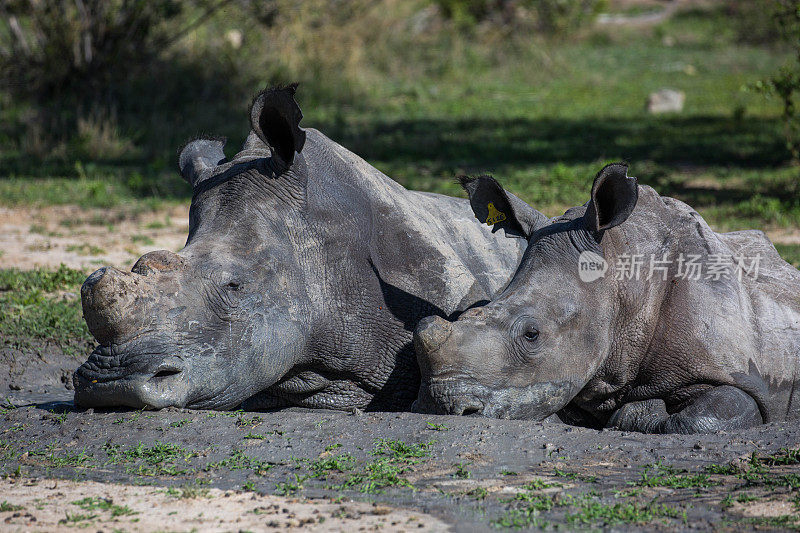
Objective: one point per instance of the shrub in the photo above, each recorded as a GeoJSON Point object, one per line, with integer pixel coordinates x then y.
{"type": "Point", "coordinates": [69, 58]}
{"type": "Point", "coordinates": [552, 17]}
{"type": "Point", "coordinates": [785, 84]}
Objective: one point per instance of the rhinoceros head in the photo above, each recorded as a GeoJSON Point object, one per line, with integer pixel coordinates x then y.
{"type": "Point", "coordinates": [228, 315]}
{"type": "Point", "coordinates": [529, 352]}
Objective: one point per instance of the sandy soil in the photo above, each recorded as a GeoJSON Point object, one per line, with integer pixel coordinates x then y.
{"type": "Point", "coordinates": [60, 505]}
{"type": "Point", "coordinates": [87, 238]}
{"type": "Point", "coordinates": [90, 238]}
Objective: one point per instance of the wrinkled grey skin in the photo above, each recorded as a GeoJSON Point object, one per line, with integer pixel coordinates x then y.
{"type": "Point", "coordinates": [660, 355]}
{"type": "Point", "coordinates": [303, 277]}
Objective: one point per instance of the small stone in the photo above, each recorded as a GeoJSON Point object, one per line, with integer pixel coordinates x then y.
{"type": "Point", "coordinates": [234, 38]}
{"type": "Point", "coordinates": [665, 101]}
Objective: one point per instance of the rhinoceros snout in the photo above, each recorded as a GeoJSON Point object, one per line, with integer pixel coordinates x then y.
{"type": "Point", "coordinates": [105, 381]}
{"type": "Point", "coordinates": [112, 301]}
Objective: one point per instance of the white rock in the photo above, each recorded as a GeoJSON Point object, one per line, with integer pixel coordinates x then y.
{"type": "Point", "coordinates": [666, 101]}
{"type": "Point", "coordinates": [234, 38]}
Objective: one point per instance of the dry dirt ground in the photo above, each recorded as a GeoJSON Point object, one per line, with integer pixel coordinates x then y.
{"type": "Point", "coordinates": [60, 505]}
{"type": "Point", "coordinates": [87, 238]}
{"type": "Point", "coordinates": [67, 469]}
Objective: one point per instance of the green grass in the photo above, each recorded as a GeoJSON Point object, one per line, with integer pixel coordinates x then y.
{"type": "Point", "coordinates": [238, 460]}
{"type": "Point", "coordinates": [725, 470]}
{"type": "Point", "coordinates": [539, 484]}
{"type": "Point", "coordinates": [76, 518]}
{"type": "Point", "coordinates": [80, 459]}
{"type": "Point", "coordinates": [660, 475]}
{"type": "Point", "coordinates": [385, 467]}
{"type": "Point", "coordinates": [528, 515]}
{"type": "Point", "coordinates": [322, 468]}
{"type": "Point", "coordinates": [393, 458]}
{"type": "Point", "coordinates": [790, 252]}
{"type": "Point", "coordinates": [461, 471]}
{"type": "Point", "coordinates": [6, 507]}
{"type": "Point", "coordinates": [104, 504]}
{"type": "Point", "coordinates": [758, 471]}
{"type": "Point", "coordinates": [785, 522]}
{"type": "Point", "coordinates": [36, 313]}
{"type": "Point", "coordinates": [583, 510]}
{"type": "Point", "coordinates": [85, 249]}
{"type": "Point", "coordinates": [596, 513]}
{"type": "Point", "coordinates": [574, 476]}
{"type": "Point", "coordinates": [478, 493]}
{"type": "Point", "coordinates": [159, 459]}
{"type": "Point", "coordinates": [290, 486]}
{"type": "Point", "coordinates": [785, 456]}
{"type": "Point", "coordinates": [541, 116]}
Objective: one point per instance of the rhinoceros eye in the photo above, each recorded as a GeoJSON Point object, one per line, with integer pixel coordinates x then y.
{"type": "Point", "coordinates": [524, 331]}
{"type": "Point", "coordinates": [233, 286]}
{"type": "Point", "coordinates": [531, 335]}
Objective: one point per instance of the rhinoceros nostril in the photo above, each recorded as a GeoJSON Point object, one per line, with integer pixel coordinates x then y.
{"type": "Point", "coordinates": [166, 373]}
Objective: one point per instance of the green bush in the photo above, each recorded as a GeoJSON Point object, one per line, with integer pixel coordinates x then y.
{"type": "Point", "coordinates": [785, 84]}
{"type": "Point", "coordinates": [72, 60]}
{"type": "Point", "coordinates": [558, 17]}
{"type": "Point", "coordinates": [758, 22]}
{"type": "Point", "coordinates": [551, 17]}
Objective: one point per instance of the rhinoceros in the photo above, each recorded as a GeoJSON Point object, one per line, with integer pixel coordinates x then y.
{"type": "Point", "coordinates": [628, 312]}
{"type": "Point", "coordinates": [303, 276]}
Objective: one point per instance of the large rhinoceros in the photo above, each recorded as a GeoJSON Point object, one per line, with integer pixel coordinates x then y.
{"type": "Point", "coordinates": [627, 312]}
{"type": "Point", "coordinates": [303, 277]}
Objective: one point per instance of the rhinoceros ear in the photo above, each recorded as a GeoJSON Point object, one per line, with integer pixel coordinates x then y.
{"type": "Point", "coordinates": [275, 117]}
{"type": "Point", "coordinates": [198, 158]}
{"type": "Point", "coordinates": [614, 197]}
{"type": "Point", "coordinates": [496, 207]}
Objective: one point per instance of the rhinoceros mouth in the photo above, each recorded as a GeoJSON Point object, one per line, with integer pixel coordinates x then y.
{"type": "Point", "coordinates": [450, 397]}
{"type": "Point", "coordinates": [466, 397]}
{"type": "Point", "coordinates": [112, 377]}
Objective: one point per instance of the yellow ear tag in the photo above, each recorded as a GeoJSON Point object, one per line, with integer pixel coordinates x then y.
{"type": "Point", "coordinates": [495, 216]}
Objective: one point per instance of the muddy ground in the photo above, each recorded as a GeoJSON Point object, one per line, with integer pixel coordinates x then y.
{"type": "Point", "coordinates": [180, 470]}
{"type": "Point", "coordinates": [63, 468]}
